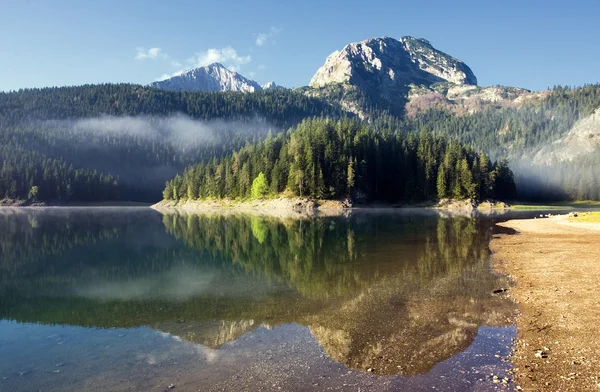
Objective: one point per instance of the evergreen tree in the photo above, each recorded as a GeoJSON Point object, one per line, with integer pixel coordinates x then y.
{"type": "Point", "coordinates": [304, 156]}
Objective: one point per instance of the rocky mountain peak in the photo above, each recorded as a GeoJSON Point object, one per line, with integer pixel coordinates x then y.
{"type": "Point", "coordinates": [213, 77]}
{"type": "Point", "coordinates": [387, 65]}
{"type": "Point", "coordinates": [272, 86]}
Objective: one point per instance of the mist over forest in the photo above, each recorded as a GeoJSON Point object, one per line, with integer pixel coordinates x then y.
{"type": "Point", "coordinates": [124, 142]}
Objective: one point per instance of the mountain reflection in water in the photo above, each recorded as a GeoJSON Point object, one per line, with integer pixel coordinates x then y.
{"type": "Point", "coordinates": [395, 293]}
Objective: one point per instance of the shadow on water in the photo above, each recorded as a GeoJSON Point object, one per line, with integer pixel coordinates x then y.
{"type": "Point", "coordinates": [398, 294]}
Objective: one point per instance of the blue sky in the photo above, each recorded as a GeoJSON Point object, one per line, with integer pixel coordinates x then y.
{"type": "Point", "coordinates": [528, 43]}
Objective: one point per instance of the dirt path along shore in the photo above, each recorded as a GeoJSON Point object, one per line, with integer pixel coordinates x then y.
{"type": "Point", "coordinates": [556, 269]}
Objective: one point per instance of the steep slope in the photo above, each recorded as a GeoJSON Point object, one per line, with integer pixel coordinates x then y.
{"type": "Point", "coordinates": [213, 77]}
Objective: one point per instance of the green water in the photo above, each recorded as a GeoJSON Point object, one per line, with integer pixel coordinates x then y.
{"type": "Point", "coordinates": [128, 299]}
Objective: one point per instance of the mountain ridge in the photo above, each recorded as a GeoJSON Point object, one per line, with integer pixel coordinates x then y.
{"type": "Point", "coordinates": [383, 69]}
{"type": "Point", "coordinates": [214, 77]}
{"type": "Point", "coordinates": [391, 63]}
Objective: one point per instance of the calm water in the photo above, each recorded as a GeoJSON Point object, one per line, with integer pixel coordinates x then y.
{"type": "Point", "coordinates": [126, 299]}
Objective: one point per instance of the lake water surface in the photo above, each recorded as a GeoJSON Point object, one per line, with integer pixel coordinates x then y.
{"type": "Point", "coordinates": [116, 299]}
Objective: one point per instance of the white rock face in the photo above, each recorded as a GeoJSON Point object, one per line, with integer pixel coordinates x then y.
{"type": "Point", "coordinates": [272, 86]}
{"type": "Point", "coordinates": [213, 77]}
{"type": "Point", "coordinates": [387, 64]}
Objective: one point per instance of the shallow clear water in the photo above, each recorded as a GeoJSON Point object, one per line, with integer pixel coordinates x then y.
{"type": "Point", "coordinates": [122, 299]}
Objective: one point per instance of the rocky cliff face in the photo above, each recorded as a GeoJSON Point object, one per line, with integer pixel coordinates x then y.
{"type": "Point", "coordinates": [391, 64]}
{"type": "Point", "coordinates": [272, 86]}
{"type": "Point", "coordinates": [383, 69]}
{"type": "Point", "coordinates": [213, 77]}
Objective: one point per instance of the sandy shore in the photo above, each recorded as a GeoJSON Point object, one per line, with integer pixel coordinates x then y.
{"type": "Point", "coordinates": [555, 265]}
{"type": "Point", "coordinates": [280, 208]}
{"type": "Point", "coordinates": [303, 207]}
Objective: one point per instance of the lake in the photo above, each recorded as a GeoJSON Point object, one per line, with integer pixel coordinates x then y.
{"type": "Point", "coordinates": [126, 299]}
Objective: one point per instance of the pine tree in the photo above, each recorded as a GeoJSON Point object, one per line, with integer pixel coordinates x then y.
{"type": "Point", "coordinates": [350, 177]}
{"type": "Point", "coordinates": [442, 186]}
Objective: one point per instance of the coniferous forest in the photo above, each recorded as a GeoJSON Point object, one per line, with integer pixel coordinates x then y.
{"type": "Point", "coordinates": [123, 142]}
{"type": "Point", "coordinates": [326, 159]}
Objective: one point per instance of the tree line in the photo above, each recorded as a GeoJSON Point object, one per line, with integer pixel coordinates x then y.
{"type": "Point", "coordinates": [327, 159]}
{"type": "Point", "coordinates": [28, 175]}
{"type": "Point", "coordinates": [43, 152]}
{"type": "Point", "coordinates": [34, 126]}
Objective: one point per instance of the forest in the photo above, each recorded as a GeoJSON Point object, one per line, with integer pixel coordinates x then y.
{"type": "Point", "coordinates": [122, 142]}
{"type": "Point", "coordinates": [326, 159]}
{"type": "Point", "coordinates": [113, 142]}
{"type": "Point", "coordinates": [517, 133]}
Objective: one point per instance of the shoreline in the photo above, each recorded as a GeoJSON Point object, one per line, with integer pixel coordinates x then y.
{"type": "Point", "coordinates": [554, 264]}
{"type": "Point", "coordinates": [304, 207]}
{"type": "Point", "coordinates": [43, 204]}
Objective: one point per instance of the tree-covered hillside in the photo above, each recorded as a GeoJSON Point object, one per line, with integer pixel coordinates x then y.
{"type": "Point", "coordinates": [514, 131]}
{"type": "Point", "coordinates": [521, 134]}
{"type": "Point", "coordinates": [327, 159]}
{"type": "Point", "coordinates": [281, 107]}
{"type": "Point", "coordinates": [122, 142]}
{"type": "Point", "coordinates": [129, 137]}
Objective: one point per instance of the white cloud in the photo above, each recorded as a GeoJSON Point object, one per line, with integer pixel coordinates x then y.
{"type": "Point", "coordinates": [152, 53]}
{"type": "Point", "coordinates": [261, 67]}
{"type": "Point", "coordinates": [226, 56]}
{"type": "Point", "coordinates": [262, 38]}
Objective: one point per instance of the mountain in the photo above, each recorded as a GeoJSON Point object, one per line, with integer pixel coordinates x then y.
{"type": "Point", "coordinates": [387, 63]}
{"type": "Point", "coordinates": [272, 86]}
{"type": "Point", "coordinates": [213, 77]}
{"type": "Point", "coordinates": [384, 68]}
{"type": "Point", "coordinates": [102, 142]}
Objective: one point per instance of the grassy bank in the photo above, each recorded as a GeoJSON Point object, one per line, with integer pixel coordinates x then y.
{"type": "Point", "coordinates": [586, 217]}
{"type": "Point", "coordinates": [559, 205]}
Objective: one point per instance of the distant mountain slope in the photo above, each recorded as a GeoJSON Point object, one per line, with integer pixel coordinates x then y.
{"type": "Point", "coordinates": [212, 78]}
{"type": "Point", "coordinates": [582, 139]}
{"type": "Point", "coordinates": [465, 98]}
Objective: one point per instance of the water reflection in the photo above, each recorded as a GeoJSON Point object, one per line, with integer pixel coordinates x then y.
{"type": "Point", "coordinates": [391, 293]}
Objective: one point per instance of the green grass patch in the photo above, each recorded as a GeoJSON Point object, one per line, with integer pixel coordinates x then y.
{"type": "Point", "coordinates": [537, 207]}
{"type": "Point", "coordinates": [586, 217]}
{"type": "Point", "coordinates": [560, 205]}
